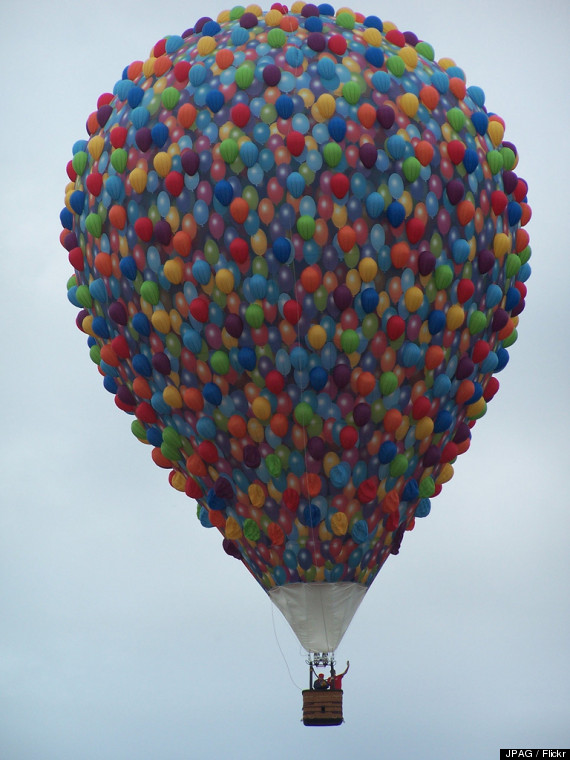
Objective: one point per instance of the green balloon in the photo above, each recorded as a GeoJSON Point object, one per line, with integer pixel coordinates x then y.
{"type": "Point", "coordinates": [268, 113]}
{"type": "Point", "coordinates": [477, 322]}
{"type": "Point", "coordinates": [283, 453]}
{"type": "Point", "coordinates": [412, 168]}
{"type": "Point", "coordinates": [211, 252]}
{"type": "Point", "coordinates": [349, 341]}
{"type": "Point", "coordinates": [307, 174]}
{"type": "Point", "coordinates": [79, 162]}
{"type": "Point", "coordinates": [456, 118]}
{"type": "Point", "coordinates": [170, 98]}
{"type": "Point", "coordinates": [332, 153]}
{"type": "Point", "coordinates": [119, 158]}
{"type": "Point", "coordinates": [229, 149]}
{"type": "Point", "coordinates": [377, 411]}
{"type": "Point", "coordinates": [220, 362]}
{"type": "Point", "coordinates": [320, 297]}
{"type": "Point", "coordinates": [219, 298]}
{"type": "Point", "coordinates": [370, 325]}
{"type": "Point", "coordinates": [138, 430]}
{"type": "Point", "coordinates": [443, 276]}
{"type": "Point", "coordinates": [395, 65]}
{"type": "Point", "coordinates": [495, 161]}
{"type": "Point", "coordinates": [388, 383]}
{"type": "Point", "coordinates": [315, 426]}
{"type": "Point", "coordinates": [306, 227]}
{"type": "Point", "coordinates": [398, 465]}
{"type": "Point", "coordinates": [511, 339]}
{"type": "Point", "coordinates": [276, 37]}
{"type": "Point", "coordinates": [426, 50]}
{"type": "Point", "coordinates": [251, 196]}
{"type": "Point", "coordinates": [525, 254]}
{"type": "Point", "coordinates": [150, 292]}
{"type": "Point", "coordinates": [303, 413]}
{"type": "Point", "coordinates": [436, 244]}
{"type": "Point", "coordinates": [251, 530]}
{"type": "Point", "coordinates": [351, 92]}
{"type": "Point", "coordinates": [512, 265]}
{"type": "Point", "coordinates": [236, 12]}
{"type": "Point", "coordinates": [274, 465]}
{"type": "Point", "coordinates": [427, 487]}
{"type": "Point", "coordinates": [259, 266]}
{"type": "Point", "coordinates": [244, 76]}
{"type": "Point", "coordinates": [153, 213]}
{"type": "Point", "coordinates": [171, 436]}
{"type": "Point", "coordinates": [220, 419]}
{"type": "Point", "coordinates": [345, 20]}
{"type": "Point", "coordinates": [94, 225]}
{"type": "Point", "coordinates": [509, 158]}
{"type": "Point", "coordinates": [84, 296]}
{"type": "Point", "coordinates": [254, 315]}
{"type": "Point", "coordinates": [173, 344]}
{"type": "Point", "coordinates": [95, 354]}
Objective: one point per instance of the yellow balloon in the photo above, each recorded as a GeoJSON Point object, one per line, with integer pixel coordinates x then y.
{"type": "Point", "coordinates": [95, 146]}
{"type": "Point", "coordinates": [173, 271]}
{"type": "Point", "coordinates": [373, 37]}
{"type": "Point", "coordinates": [138, 178]}
{"type": "Point", "coordinates": [259, 242]}
{"type": "Point", "coordinates": [368, 269]}
{"type": "Point", "coordinates": [225, 280]}
{"type": "Point", "coordinates": [261, 408]}
{"type": "Point", "coordinates": [178, 481]}
{"type": "Point", "coordinates": [175, 320]}
{"type": "Point", "coordinates": [162, 163]}
{"type": "Point", "coordinates": [228, 340]}
{"type": "Point", "coordinates": [273, 17]}
{"type": "Point", "coordinates": [172, 397]}
{"type": "Point", "coordinates": [353, 281]}
{"type": "Point", "coordinates": [233, 529]}
{"type": "Point", "coordinates": [161, 321]}
{"type": "Point", "coordinates": [330, 460]}
{"type": "Point", "coordinates": [424, 428]}
{"type": "Point", "coordinates": [409, 102]}
{"type": "Point", "coordinates": [402, 429]}
{"type": "Point", "coordinates": [173, 219]}
{"type": "Point", "coordinates": [255, 430]}
{"type": "Point", "coordinates": [206, 45]}
{"type": "Point", "coordinates": [410, 58]}
{"type": "Point", "coordinates": [445, 475]}
{"type": "Point", "coordinates": [501, 245]}
{"type": "Point", "coordinates": [413, 298]}
{"type": "Point", "coordinates": [339, 523]}
{"type": "Point", "coordinates": [317, 337]}
{"type": "Point", "coordinates": [455, 317]}
{"type": "Point", "coordinates": [148, 67]}
{"type": "Point", "coordinates": [326, 105]}
{"type": "Point", "coordinates": [339, 216]}
{"type": "Point", "coordinates": [496, 132]}
{"type": "Point", "coordinates": [256, 495]}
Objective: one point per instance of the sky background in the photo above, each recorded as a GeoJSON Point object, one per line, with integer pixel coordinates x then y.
{"type": "Point", "coordinates": [126, 633]}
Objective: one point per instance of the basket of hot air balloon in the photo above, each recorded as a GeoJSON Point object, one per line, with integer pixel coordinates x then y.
{"type": "Point", "coordinates": [300, 257]}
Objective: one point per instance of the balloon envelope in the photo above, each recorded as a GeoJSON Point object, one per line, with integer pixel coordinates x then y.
{"type": "Point", "coordinates": [299, 255]}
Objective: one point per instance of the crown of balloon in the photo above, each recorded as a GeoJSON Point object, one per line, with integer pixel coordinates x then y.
{"type": "Point", "coordinates": [300, 258]}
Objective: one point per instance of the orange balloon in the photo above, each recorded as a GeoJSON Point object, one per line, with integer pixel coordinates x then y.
{"type": "Point", "coordinates": [392, 420]}
{"type": "Point", "coordinates": [434, 357]}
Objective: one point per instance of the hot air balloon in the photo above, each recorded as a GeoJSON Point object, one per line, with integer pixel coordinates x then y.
{"type": "Point", "coordinates": [300, 260]}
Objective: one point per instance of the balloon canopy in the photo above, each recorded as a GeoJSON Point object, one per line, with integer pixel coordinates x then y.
{"type": "Point", "coordinates": [300, 258]}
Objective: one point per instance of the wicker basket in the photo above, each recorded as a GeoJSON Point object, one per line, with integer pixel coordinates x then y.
{"type": "Point", "coordinates": [322, 708]}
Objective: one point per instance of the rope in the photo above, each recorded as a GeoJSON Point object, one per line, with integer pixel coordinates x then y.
{"type": "Point", "coordinates": [296, 685]}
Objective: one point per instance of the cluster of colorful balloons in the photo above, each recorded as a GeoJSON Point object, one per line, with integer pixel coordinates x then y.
{"type": "Point", "coordinates": [300, 258]}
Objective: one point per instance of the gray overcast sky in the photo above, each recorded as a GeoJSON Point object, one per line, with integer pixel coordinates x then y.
{"type": "Point", "coordinates": [125, 631]}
